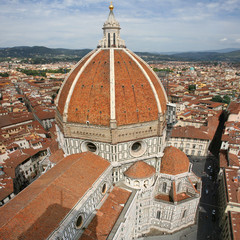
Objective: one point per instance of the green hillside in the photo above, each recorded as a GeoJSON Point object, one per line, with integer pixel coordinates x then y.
{"type": "Point", "coordinates": [44, 55]}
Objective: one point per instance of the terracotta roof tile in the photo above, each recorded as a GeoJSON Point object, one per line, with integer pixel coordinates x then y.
{"type": "Point", "coordinates": [90, 100]}
{"type": "Point", "coordinates": [57, 156]}
{"type": "Point", "coordinates": [174, 161]}
{"type": "Point", "coordinates": [67, 85]}
{"type": "Point", "coordinates": [135, 101]}
{"type": "Point", "coordinates": [134, 98]}
{"type": "Point", "coordinates": [159, 89]}
{"type": "Point", "coordinates": [232, 184]}
{"type": "Point", "coordinates": [235, 218]}
{"type": "Point", "coordinates": [234, 107]}
{"type": "Point", "coordinates": [189, 132]}
{"type": "Point", "coordinates": [178, 197]}
{"type": "Point", "coordinates": [107, 215]}
{"type": "Point", "coordinates": [140, 169]}
{"type": "Point", "coordinates": [6, 187]}
{"type": "Point", "coordinates": [14, 118]}
{"type": "Point", "coordinates": [36, 211]}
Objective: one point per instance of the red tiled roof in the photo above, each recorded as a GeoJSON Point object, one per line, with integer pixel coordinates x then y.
{"type": "Point", "coordinates": [6, 187]}
{"type": "Point", "coordinates": [57, 156]}
{"type": "Point", "coordinates": [223, 159]}
{"type": "Point", "coordinates": [14, 118]}
{"type": "Point", "coordinates": [178, 197]}
{"type": "Point", "coordinates": [174, 161]}
{"type": "Point", "coordinates": [235, 224]}
{"type": "Point", "coordinates": [44, 113]}
{"type": "Point", "coordinates": [135, 101]}
{"type": "Point", "coordinates": [232, 184]}
{"type": "Point", "coordinates": [234, 108]}
{"type": "Point", "coordinates": [107, 215]}
{"type": "Point", "coordinates": [36, 211]}
{"type": "Point", "coordinates": [90, 100]}
{"type": "Point", "coordinates": [233, 160]}
{"type": "Point", "coordinates": [228, 159]}
{"type": "Point", "coordinates": [189, 132]}
{"type": "Point", "coordinates": [140, 169]}
{"type": "Point", "coordinates": [67, 85]}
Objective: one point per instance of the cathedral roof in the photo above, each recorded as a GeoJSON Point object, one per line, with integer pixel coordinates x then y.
{"type": "Point", "coordinates": [174, 161]}
{"type": "Point", "coordinates": [140, 169]}
{"type": "Point", "coordinates": [111, 85]}
{"type": "Point", "coordinates": [36, 211]}
{"type": "Point", "coordinates": [105, 219]}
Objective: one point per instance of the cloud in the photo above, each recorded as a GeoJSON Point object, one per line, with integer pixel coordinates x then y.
{"type": "Point", "coordinates": [169, 25]}
{"type": "Point", "coordinates": [223, 40]}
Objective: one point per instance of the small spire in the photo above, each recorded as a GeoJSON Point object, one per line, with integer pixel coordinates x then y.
{"type": "Point", "coordinates": [111, 32]}
{"type": "Point", "coordinates": [111, 7]}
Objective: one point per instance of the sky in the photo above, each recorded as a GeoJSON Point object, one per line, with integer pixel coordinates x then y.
{"type": "Point", "coordinates": [146, 25]}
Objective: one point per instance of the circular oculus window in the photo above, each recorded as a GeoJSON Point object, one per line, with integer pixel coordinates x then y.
{"type": "Point", "coordinates": [91, 147]}
{"type": "Point", "coordinates": [138, 148]}
{"type": "Point", "coordinates": [79, 222]}
{"type": "Point", "coordinates": [88, 146]}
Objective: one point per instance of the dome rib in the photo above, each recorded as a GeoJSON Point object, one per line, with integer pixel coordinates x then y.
{"type": "Point", "coordinates": [147, 77]}
{"type": "Point", "coordinates": [111, 88]}
{"type": "Point", "coordinates": [124, 60]}
{"type": "Point", "coordinates": [64, 90]}
{"type": "Point", "coordinates": [76, 80]}
{"type": "Point", "coordinates": [155, 80]}
{"type": "Point", "coordinates": [91, 95]}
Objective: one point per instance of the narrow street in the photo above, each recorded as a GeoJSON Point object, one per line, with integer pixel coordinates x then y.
{"type": "Point", "coordinates": [206, 168]}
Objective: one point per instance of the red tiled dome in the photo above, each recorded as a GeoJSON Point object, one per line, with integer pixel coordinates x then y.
{"type": "Point", "coordinates": [174, 161]}
{"type": "Point", "coordinates": [140, 169]}
{"type": "Point", "coordinates": [111, 84]}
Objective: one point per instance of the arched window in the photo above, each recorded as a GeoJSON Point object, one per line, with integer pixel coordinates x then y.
{"type": "Point", "coordinates": [179, 186]}
{"type": "Point", "coordinates": [158, 214]}
{"type": "Point", "coordinates": [108, 39]}
{"type": "Point", "coordinates": [114, 40]}
{"type": "Point", "coordinates": [184, 214]}
{"type": "Point", "coordinates": [164, 187]}
{"type": "Point", "coordinates": [146, 183]}
{"type": "Point", "coordinates": [136, 183]}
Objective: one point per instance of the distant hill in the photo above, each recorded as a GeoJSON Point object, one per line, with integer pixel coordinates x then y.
{"type": "Point", "coordinates": [39, 54]}
{"type": "Point", "coordinates": [209, 56]}
{"type": "Point", "coordinates": [43, 54]}
{"type": "Point", "coordinates": [193, 56]}
{"type": "Point", "coordinates": [225, 50]}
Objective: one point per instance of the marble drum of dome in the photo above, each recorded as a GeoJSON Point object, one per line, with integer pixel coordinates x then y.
{"type": "Point", "coordinates": [111, 95]}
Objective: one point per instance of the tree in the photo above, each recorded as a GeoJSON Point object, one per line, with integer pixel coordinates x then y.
{"type": "Point", "coordinates": [5, 74]}
{"type": "Point", "coordinates": [217, 98]}
{"type": "Point", "coordinates": [226, 99]}
{"type": "Point", "coordinates": [191, 88]}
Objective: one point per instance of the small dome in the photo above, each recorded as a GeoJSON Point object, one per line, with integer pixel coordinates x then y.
{"type": "Point", "coordinates": [140, 170]}
{"type": "Point", "coordinates": [174, 161]}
